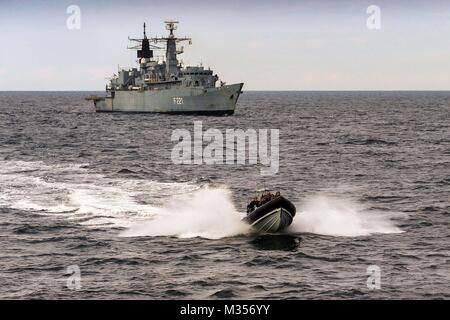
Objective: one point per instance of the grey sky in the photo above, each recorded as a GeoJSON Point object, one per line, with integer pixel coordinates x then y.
{"type": "Point", "coordinates": [269, 45]}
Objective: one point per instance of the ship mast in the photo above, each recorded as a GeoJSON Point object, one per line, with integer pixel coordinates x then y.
{"type": "Point", "coordinates": [143, 47]}
{"type": "Point", "coordinates": [172, 70]}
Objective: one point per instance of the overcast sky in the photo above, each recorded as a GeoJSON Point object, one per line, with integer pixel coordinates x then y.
{"type": "Point", "coordinates": [269, 45]}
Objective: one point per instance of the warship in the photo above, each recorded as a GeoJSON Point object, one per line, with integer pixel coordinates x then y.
{"type": "Point", "coordinates": [164, 85]}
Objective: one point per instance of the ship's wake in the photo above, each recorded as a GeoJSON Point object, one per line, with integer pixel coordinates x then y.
{"type": "Point", "coordinates": [209, 213]}
{"type": "Point", "coordinates": [151, 208]}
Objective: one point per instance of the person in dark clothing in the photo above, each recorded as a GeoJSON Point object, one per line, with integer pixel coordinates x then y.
{"type": "Point", "coordinates": [253, 205]}
{"type": "Point", "coordinates": [266, 197]}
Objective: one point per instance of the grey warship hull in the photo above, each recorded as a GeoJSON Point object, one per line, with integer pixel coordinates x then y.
{"type": "Point", "coordinates": [175, 100]}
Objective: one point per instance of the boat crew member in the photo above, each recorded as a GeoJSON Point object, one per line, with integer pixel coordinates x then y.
{"type": "Point", "coordinates": [253, 205]}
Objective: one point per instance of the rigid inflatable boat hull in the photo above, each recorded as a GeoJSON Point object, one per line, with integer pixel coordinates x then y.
{"type": "Point", "coordinates": [273, 216]}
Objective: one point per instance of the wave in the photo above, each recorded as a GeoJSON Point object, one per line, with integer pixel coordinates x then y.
{"type": "Point", "coordinates": [370, 141]}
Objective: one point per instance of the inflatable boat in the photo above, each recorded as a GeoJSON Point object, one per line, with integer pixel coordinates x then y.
{"type": "Point", "coordinates": [272, 215]}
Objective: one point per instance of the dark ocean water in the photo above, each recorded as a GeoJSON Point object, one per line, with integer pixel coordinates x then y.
{"type": "Point", "coordinates": [368, 172]}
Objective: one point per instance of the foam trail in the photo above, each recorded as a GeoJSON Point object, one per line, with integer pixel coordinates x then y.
{"type": "Point", "coordinates": [333, 216]}
{"type": "Point", "coordinates": [74, 193]}
{"type": "Point", "coordinates": [207, 213]}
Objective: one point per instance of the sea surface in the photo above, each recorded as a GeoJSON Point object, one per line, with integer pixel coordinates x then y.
{"type": "Point", "coordinates": [369, 173]}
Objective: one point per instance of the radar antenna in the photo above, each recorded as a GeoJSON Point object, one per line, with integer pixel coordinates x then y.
{"type": "Point", "coordinates": [171, 25]}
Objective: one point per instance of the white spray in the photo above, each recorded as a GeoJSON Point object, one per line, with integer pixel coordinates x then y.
{"type": "Point", "coordinates": [95, 200]}
{"type": "Point", "coordinates": [329, 215]}
{"type": "Point", "coordinates": [207, 213]}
